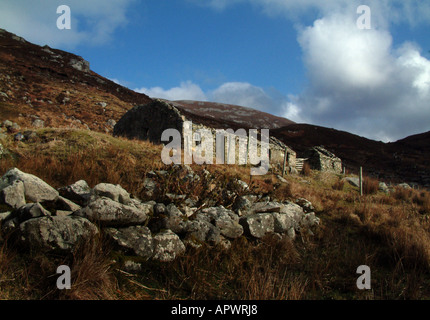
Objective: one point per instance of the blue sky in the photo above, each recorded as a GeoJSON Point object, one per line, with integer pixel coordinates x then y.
{"type": "Point", "coordinates": [302, 59]}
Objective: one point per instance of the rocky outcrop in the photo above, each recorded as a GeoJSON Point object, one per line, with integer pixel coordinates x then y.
{"type": "Point", "coordinates": [50, 220]}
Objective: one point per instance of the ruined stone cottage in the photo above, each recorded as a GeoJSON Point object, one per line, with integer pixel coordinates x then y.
{"type": "Point", "coordinates": [147, 122]}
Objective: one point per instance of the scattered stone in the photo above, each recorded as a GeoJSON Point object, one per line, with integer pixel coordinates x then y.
{"type": "Point", "coordinates": [305, 204]}
{"type": "Point", "coordinates": [225, 220]}
{"type": "Point", "coordinates": [132, 267]}
{"type": "Point", "coordinates": [281, 178]}
{"type": "Point", "coordinates": [14, 128]}
{"type": "Point", "coordinates": [18, 137]}
{"type": "Point", "coordinates": [200, 230]}
{"type": "Point", "coordinates": [167, 246]}
{"type": "Point", "coordinates": [383, 187]}
{"type": "Point", "coordinates": [404, 185]}
{"type": "Point", "coordinates": [111, 123]}
{"type": "Point", "coordinates": [114, 192]}
{"type": "Point", "coordinates": [168, 217]}
{"type": "Point", "coordinates": [353, 181]}
{"type": "Point", "coordinates": [13, 194]}
{"type": "Point", "coordinates": [135, 240]}
{"type": "Point", "coordinates": [37, 123]}
{"type": "Point", "coordinates": [79, 192]}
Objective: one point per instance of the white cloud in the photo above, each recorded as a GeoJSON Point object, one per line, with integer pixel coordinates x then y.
{"type": "Point", "coordinates": [93, 22]}
{"type": "Point", "coordinates": [186, 91]}
{"type": "Point", "coordinates": [244, 94]}
{"type": "Point", "coordinates": [358, 82]}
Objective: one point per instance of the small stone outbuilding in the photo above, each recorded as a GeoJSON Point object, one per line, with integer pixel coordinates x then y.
{"type": "Point", "coordinates": [321, 159]}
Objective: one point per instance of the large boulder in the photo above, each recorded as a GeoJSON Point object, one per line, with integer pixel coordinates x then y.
{"type": "Point", "coordinates": [258, 225]}
{"type": "Point", "coordinates": [35, 189]}
{"type": "Point", "coordinates": [13, 194]}
{"type": "Point", "coordinates": [114, 192]}
{"type": "Point", "coordinates": [225, 220]}
{"type": "Point", "coordinates": [167, 246]}
{"type": "Point", "coordinates": [109, 213]}
{"type": "Point", "coordinates": [56, 232]}
{"type": "Point", "coordinates": [135, 240]}
{"type": "Point", "coordinates": [200, 230]}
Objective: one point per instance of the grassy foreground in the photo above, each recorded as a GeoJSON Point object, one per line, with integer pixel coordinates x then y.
{"type": "Point", "coordinates": [388, 232]}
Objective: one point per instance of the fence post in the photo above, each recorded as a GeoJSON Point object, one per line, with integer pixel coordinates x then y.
{"type": "Point", "coordinates": [361, 181]}
{"type": "Point", "coordinates": [285, 162]}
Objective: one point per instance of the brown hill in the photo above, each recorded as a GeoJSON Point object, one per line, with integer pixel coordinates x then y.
{"type": "Point", "coordinates": [58, 87]}
{"type": "Point", "coordinates": [404, 160]}
{"type": "Point", "coordinates": [242, 117]}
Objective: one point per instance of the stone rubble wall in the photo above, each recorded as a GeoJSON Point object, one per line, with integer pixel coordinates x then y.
{"type": "Point", "coordinates": [43, 218]}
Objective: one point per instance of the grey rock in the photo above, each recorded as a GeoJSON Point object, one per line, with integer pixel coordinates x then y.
{"type": "Point", "coordinates": [5, 216]}
{"type": "Point", "coordinates": [114, 192]}
{"type": "Point", "coordinates": [243, 203]}
{"type": "Point", "coordinates": [404, 185]}
{"type": "Point", "coordinates": [168, 217]}
{"type": "Point", "coordinates": [79, 192]}
{"type": "Point", "coordinates": [305, 204]}
{"type": "Point", "coordinates": [62, 203]}
{"type": "Point", "coordinates": [281, 178]}
{"type": "Point", "coordinates": [110, 213]}
{"type": "Point", "coordinates": [383, 187]}
{"type": "Point", "coordinates": [258, 225]}
{"type": "Point", "coordinates": [150, 186]}
{"type": "Point", "coordinates": [31, 211]}
{"type": "Point", "coordinates": [132, 267]}
{"type": "Point", "coordinates": [135, 240]}
{"type": "Point", "coordinates": [283, 223]}
{"type": "Point", "coordinates": [13, 194]}
{"type": "Point", "coordinates": [37, 123]}
{"type": "Point", "coordinates": [7, 123]}
{"type": "Point", "coordinates": [225, 220]}
{"type": "Point", "coordinates": [63, 213]}
{"type": "Point", "coordinates": [18, 137]}
{"type": "Point", "coordinates": [111, 123]}
{"type": "Point", "coordinates": [30, 135]}
{"type": "Point", "coordinates": [310, 220]}
{"type": "Point", "coordinates": [201, 230]}
{"type": "Point", "coordinates": [56, 232]}
{"type": "Point", "coordinates": [35, 189]}
{"type": "Point", "coordinates": [80, 64]}
{"type": "Point", "coordinates": [167, 246]}
{"type": "Point", "coordinates": [14, 128]}
{"type": "Point", "coordinates": [353, 181]}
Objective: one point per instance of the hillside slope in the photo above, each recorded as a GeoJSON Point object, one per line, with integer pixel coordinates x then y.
{"type": "Point", "coordinates": [404, 160]}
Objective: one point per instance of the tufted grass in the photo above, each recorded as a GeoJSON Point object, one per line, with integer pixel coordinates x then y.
{"type": "Point", "coordinates": [388, 232]}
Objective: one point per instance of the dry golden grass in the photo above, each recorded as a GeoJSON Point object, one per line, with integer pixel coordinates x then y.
{"type": "Point", "coordinates": [390, 233]}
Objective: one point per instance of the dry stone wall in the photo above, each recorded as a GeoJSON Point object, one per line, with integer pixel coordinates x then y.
{"type": "Point", "coordinates": [41, 218]}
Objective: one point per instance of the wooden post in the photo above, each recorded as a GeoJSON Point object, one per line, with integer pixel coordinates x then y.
{"type": "Point", "coordinates": [361, 181]}
{"type": "Point", "coordinates": [285, 161]}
